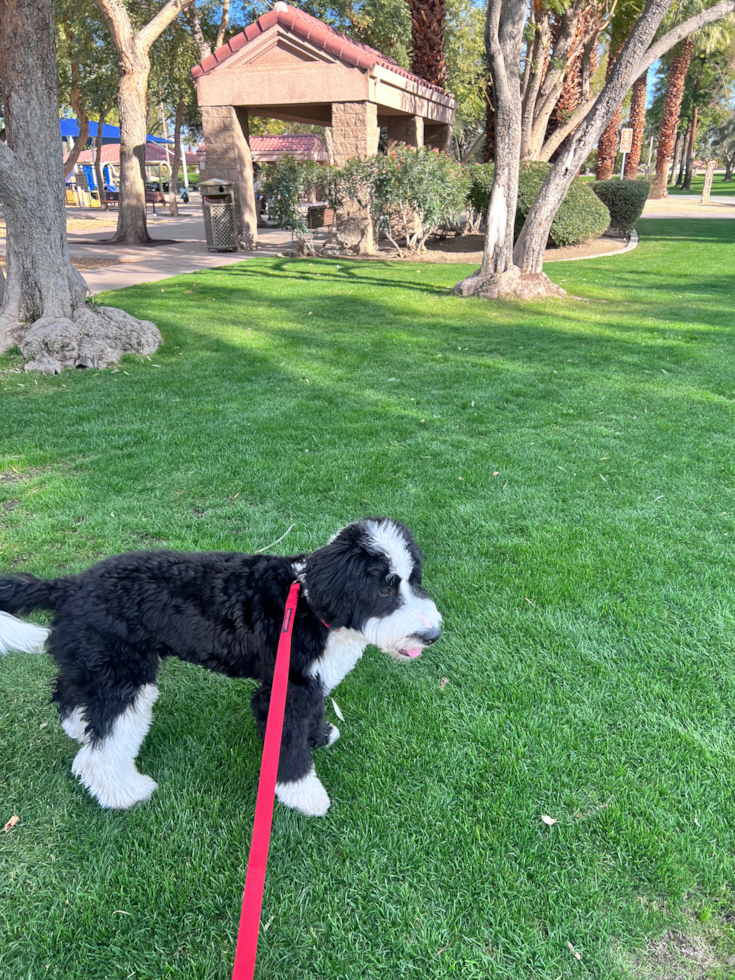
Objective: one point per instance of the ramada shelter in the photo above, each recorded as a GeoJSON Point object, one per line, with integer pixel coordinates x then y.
{"type": "Point", "coordinates": [289, 65]}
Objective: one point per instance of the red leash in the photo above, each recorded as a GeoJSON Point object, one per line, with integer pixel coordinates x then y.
{"type": "Point", "coordinates": [252, 900]}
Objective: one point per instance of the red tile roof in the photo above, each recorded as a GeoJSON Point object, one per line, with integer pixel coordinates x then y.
{"type": "Point", "coordinates": [315, 31]}
{"type": "Point", "coordinates": [153, 153]}
{"type": "Point", "coordinates": [297, 144]}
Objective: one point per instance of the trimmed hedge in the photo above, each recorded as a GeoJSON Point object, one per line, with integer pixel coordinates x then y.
{"type": "Point", "coordinates": [581, 217]}
{"type": "Point", "coordinates": [624, 200]}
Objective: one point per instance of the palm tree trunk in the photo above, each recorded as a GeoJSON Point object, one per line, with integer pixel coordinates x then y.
{"type": "Point", "coordinates": [690, 152]}
{"type": "Point", "coordinates": [682, 155]}
{"type": "Point", "coordinates": [637, 122]}
{"type": "Point", "coordinates": [607, 147]}
{"type": "Point", "coordinates": [427, 36]}
{"type": "Point", "coordinates": [670, 119]}
{"type": "Point", "coordinates": [675, 156]}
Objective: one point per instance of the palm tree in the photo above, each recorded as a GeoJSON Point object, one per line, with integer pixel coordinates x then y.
{"type": "Point", "coordinates": [670, 117]}
{"type": "Point", "coordinates": [626, 15]}
{"type": "Point", "coordinates": [637, 120]}
{"type": "Point", "coordinates": [715, 36]}
{"type": "Point", "coordinates": [427, 34]}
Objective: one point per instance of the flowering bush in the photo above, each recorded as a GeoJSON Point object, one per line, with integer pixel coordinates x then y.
{"type": "Point", "coordinates": [414, 190]}
{"type": "Point", "coordinates": [408, 192]}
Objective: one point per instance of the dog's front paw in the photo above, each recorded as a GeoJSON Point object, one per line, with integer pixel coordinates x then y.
{"type": "Point", "coordinates": [327, 735]}
{"type": "Point", "coordinates": [307, 795]}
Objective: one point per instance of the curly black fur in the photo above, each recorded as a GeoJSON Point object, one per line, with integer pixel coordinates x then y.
{"type": "Point", "coordinates": [115, 622]}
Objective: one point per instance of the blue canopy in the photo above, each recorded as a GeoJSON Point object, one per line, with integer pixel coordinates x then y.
{"type": "Point", "coordinates": [110, 134]}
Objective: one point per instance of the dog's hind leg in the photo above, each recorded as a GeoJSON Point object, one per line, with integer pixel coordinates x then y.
{"type": "Point", "coordinates": [106, 765]}
{"type": "Point", "coordinates": [298, 785]}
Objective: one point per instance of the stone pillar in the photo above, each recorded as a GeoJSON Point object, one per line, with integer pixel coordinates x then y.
{"type": "Point", "coordinates": [355, 133]}
{"type": "Point", "coordinates": [438, 136]}
{"type": "Point", "coordinates": [228, 158]}
{"type": "Point", "coordinates": [405, 129]}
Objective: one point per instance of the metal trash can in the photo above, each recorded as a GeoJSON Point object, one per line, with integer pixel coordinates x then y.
{"type": "Point", "coordinates": [218, 205]}
{"type": "Point", "coordinates": [315, 216]}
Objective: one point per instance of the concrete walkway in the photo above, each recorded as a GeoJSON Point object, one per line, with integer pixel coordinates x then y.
{"type": "Point", "coordinates": [688, 206]}
{"type": "Point", "coordinates": [136, 265]}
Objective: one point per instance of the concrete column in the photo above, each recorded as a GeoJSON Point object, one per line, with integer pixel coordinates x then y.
{"type": "Point", "coordinates": [355, 134]}
{"type": "Point", "coordinates": [438, 136]}
{"type": "Point", "coordinates": [405, 129]}
{"type": "Point", "coordinates": [228, 158]}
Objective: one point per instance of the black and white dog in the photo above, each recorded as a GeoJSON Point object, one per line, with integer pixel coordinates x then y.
{"type": "Point", "coordinates": [115, 622]}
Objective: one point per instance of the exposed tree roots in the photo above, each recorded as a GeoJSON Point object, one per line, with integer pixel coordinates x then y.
{"type": "Point", "coordinates": [93, 337]}
{"type": "Point", "coordinates": [512, 284]}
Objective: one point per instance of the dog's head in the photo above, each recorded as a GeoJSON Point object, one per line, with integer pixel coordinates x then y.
{"type": "Point", "coordinates": [368, 578]}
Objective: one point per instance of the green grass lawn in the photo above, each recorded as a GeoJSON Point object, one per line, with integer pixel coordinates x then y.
{"type": "Point", "coordinates": [568, 470]}
{"type": "Point", "coordinates": [720, 188]}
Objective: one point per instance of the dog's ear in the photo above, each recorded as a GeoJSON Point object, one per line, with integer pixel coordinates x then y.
{"type": "Point", "coordinates": [328, 585]}
{"type": "Point", "coordinates": [336, 577]}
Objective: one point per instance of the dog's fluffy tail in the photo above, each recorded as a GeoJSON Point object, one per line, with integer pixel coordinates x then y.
{"type": "Point", "coordinates": [20, 636]}
{"type": "Point", "coordinates": [20, 594]}
{"type": "Point", "coordinates": [23, 593]}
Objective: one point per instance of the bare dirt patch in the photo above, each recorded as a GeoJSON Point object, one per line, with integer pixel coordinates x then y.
{"type": "Point", "coordinates": [84, 263]}
{"type": "Point", "coordinates": [697, 954]}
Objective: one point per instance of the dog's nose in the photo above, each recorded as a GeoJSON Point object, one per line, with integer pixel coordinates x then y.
{"type": "Point", "coordinates": [428, 637]}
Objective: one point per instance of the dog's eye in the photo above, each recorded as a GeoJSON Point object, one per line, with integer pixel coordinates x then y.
{"type": "Point", "coordinates": [386, 590]}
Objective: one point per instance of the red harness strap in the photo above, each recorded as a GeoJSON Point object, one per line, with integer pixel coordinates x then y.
{"type": "Point", "coordinates": [252, 900]}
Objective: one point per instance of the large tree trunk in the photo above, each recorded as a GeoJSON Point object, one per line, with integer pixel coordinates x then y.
{"type": "Point", "coordinates": [43, 305]}
{"type": "Point", "coordinates": [637, 122]}
{"type": "Point", "coordinates": [503, 44]}
{"type": "Point", "coordinates": [568, 42]}
{"type": "Point", "coordinates": [132, 225]}
{"type": "Point", "coordinates": [692, 147]}
{"type": "Point", "coordinates": [670, 118]}
{"type": "Point", "coordinates": [529, 250]}
{"type": "Point", "coordinates": [427, 36]}
{"type": "Point", "coordinates": [580, 69]}
{"type": "Point", "coordinates": [637, 56]}
{"type": "Point", "coordinates": [133, 52]}
{"type": "Point", "coordinates": [41, 279]}
{"type": "Point", "coordinates": [536, 64]}
{"type": "Point", "coordinates": [173, 188]}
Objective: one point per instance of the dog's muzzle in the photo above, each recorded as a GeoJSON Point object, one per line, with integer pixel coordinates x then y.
{"type": "Point", "coordinates": [425, 639]}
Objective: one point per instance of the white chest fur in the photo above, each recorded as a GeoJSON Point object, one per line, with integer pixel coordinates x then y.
{"type": "Point", "coordinates": [344, 648]}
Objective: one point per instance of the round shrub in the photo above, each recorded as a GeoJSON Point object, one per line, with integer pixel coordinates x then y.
{"type": "Point", "coordinates": [581, 217]}
{"type": "Point", "coordinates": [624, 199]}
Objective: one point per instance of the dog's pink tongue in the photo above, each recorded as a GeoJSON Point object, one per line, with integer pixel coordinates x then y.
{"type": "Point", "coordinates": [412, 651]}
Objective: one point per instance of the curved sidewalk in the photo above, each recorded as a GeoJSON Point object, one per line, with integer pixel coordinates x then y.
{"type": "Point", "coordinates": [135, 265]}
